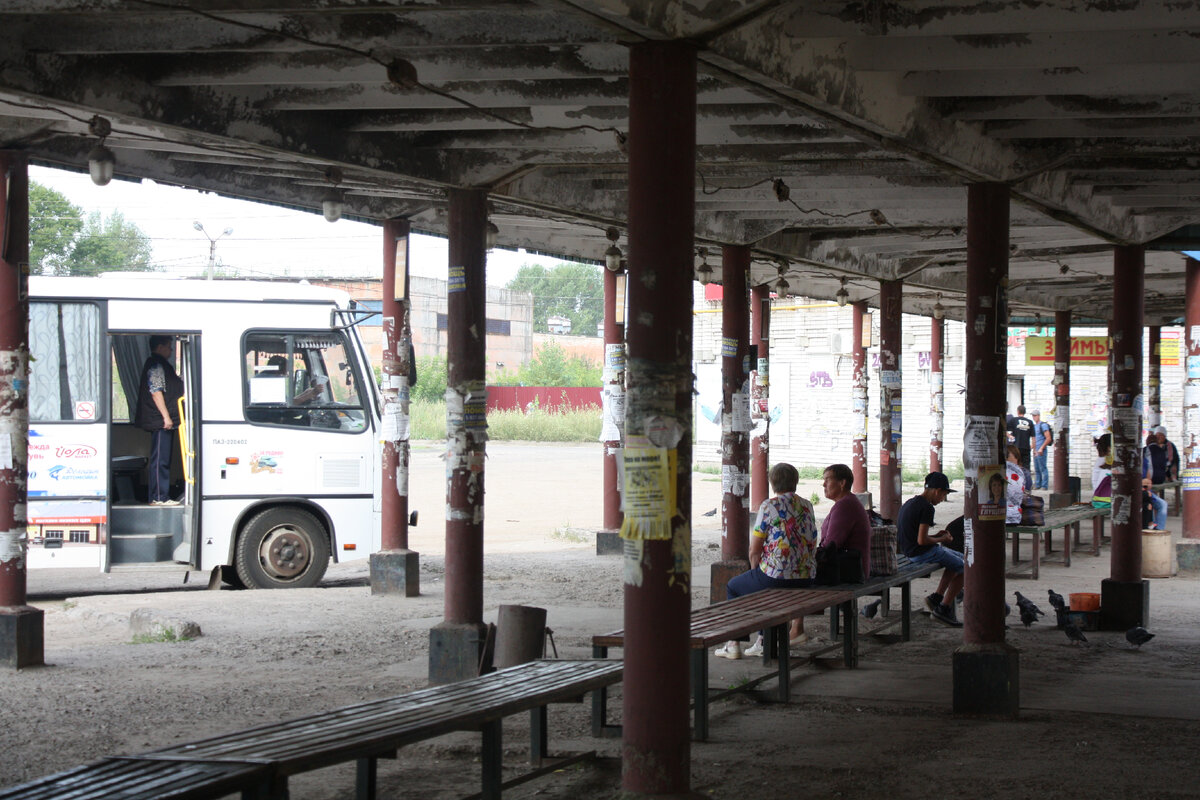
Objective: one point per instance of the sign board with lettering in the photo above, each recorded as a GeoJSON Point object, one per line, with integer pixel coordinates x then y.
{"type": "Point", "coordinates": [1084, 350]}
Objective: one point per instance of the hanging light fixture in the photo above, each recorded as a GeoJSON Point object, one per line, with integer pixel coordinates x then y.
{"type": "Point", "coordinates": [938, 310]}
{"type": "Point", "coordinates": [613, 255]}
{"type": "Point", "coordinates": [333, 203]}
{"type": "Point", "coordinates": [489, 237]}
{"type": "Point", "coordinates": [842, 295]}
{"type": "Point", "coordinates": [101, 160]}
{"type": "Point", "coordinates": [781, 285]}
{"type": "Point", "coordinates": [704, 273]}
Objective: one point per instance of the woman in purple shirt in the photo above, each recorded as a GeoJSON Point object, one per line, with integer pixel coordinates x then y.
{"type": "Point", "coordinates": [847, 524]}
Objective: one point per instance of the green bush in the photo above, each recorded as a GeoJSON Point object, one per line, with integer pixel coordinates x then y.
{"type": "Point", "coordinates": [551, 366]}
{"type": "Point", "coordinates": [428, 421]}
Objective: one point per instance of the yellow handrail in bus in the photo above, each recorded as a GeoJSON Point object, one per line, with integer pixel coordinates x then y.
{"type": "Point", "coordinates": [186, 455]}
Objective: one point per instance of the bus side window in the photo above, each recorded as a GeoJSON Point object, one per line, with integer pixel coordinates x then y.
{"type": "Point", "coordinates": [288, 381]}
{"type": "Point", "coordinates": [65, 375]}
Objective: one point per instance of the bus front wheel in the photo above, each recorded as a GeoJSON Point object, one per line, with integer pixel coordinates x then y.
{"type": "Point", "coordinates": [282, 548]}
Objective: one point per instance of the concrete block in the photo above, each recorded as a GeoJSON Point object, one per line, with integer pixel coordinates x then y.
{"type": "Point", "coordinates": [608, 543]}
{"type": "Point", "coordinates": [987, 680]}
{"type": "Point", "coordinates": [455, 651]}
{"type": "Point", "coordinates": [396, 572]}
{"type": "Point", "coordinates": [22, 637]}
{"type": "Point", "coordinates": [1187, 555]}
{"type": "Point", "coordinates": [1124, 604]}
{"type": "Point", "coordinates": [721, 573]}
{"type": "Point", "coordinates": [160, 624]}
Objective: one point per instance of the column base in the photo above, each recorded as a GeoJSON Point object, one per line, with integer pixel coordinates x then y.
{"type": "Point", "coordinates": [455, 652]}
{"type": "Point", "coordinates": [987, 680]}
{"type": "Point", "coordinates": [608, 543]}
{"type": "Point", "coordinates": [720, 575]}
{"type": "Point", "coordinates": [1187, 555]}
{"type": "Point", "coordinates": [1124, 604]}
{"type": "Point", "coordinates": [396, 572]}
{"type": "Point", "coordinates": [22, 637]}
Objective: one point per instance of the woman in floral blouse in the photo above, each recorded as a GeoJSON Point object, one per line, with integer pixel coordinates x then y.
{"type": "Point", "coordinates": [783, 548]}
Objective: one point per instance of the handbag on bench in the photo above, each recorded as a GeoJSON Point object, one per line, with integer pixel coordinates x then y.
{"type": "Point", "coordinates": [838, 565]}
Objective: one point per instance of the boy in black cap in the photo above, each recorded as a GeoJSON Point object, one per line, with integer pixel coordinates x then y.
{"type": "Point", "coordinates": [914, 539]}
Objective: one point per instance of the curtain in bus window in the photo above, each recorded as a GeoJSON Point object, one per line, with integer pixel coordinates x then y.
{"type": "Point", "coordinates": [65, 370]}
{"type": "Point", "coordinates": [129, 354]}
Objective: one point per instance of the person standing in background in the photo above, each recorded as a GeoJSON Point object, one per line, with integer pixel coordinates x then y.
{"type": "Point", "coordinates": [1020, 433]}
{"type": "Point", "coordinates": [1043, 437]}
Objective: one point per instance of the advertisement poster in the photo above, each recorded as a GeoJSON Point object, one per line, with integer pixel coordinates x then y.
{"type": "Point", "coordinates": [992, 486]}
{"type": "Point", "coordinates": [68, 460]}
{"type": "Point", "coordinates": [648, 498]}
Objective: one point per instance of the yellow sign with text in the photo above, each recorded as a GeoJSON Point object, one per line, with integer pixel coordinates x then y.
{"type": "Point", "coordinates": [1084, 350]}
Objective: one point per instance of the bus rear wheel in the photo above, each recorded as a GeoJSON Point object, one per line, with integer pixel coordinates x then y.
{"type": "Point", "coordinates": [282, 548]}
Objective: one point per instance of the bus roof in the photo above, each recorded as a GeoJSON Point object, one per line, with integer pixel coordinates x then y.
{"type": "Point", "coordinates": [150, 286]}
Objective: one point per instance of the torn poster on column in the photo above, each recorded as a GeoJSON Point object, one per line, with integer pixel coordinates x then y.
{"type": "Point", "coordinates": [981, 443]}
{"type": "Point", "coordinates": [649, 492]}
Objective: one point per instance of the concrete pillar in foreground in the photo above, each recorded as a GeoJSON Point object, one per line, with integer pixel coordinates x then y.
{"type": "Point", "coordinates": [656, 752]}
{"type": "Point", "coordinates": [735, 421]}
{"type": "Point", "coordinates": [986, 668]}
{"type": "Point", "coordinates": [1062, 402]}
{"type": "Point", "coordinates": [1124, 595]}
{"type": "Point", "coordinates": [858, 400]}
{"type": "Point", "coordinates": [1188, 549]}
{"type": "Point", "coordinates": [456, 644]}
{"type": "Point", "coordinates": [890, 397]}
{"type": "Point", "coordinates": [937, 388]}
{"type": "Point", "coordinates": [1153, 377]}
{"type": "Point", "coordinates": [395, 569]}
{"type": "Point", "coordinates": [613, 398]}
{"type": "Point", "coordinates": [22, 627]}
{"type": "Point", "coordinates": [760, 396]}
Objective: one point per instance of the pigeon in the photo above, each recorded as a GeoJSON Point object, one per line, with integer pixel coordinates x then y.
{"type": "Point", "coordinates": [1073, 633]}
{"type": "Point", "coordinates": [1138, 636]}
{"type": "Point", "coordinates": [871, 609]}
{"type": "Point", "coordinates": [1057, 601]}
{"type": "Point", "coordinates": [1028, 617]}
{"type": "Point", "coordinates": [1024, 603]}
{"type": "Point", "coordinates": [712, 513]}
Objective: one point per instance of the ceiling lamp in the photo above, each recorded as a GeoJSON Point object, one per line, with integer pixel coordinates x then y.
{"type": "Point", "coordinates": [842, 295]}
{"type": "Point", "coordinates": [101, 161]}
{"type": "Point", "coordinates": [704, 273]}
{"type": "Point", "coordinates": [333, 203]}
{"type": "Point", "coordinates": [613, 255]}
{"type": "Point", "coordinates": [938, 311]}
{"type": "Point", "coordinates": [781, 285]}
{"type": "Point", "coordinates": [489, 237]}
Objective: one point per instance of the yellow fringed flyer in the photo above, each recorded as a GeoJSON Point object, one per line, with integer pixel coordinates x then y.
{"type": "Point", "coordinates": [649, 492]}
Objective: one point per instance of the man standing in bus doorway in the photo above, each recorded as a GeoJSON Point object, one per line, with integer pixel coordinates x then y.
{"type": "Point", "coordinates": [159, 391]}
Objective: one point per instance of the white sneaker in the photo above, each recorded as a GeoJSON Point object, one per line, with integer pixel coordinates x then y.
{"type": "Point", "coordinates": [755, 649]}
{"type": "Point", "coordinates": [724, 651]}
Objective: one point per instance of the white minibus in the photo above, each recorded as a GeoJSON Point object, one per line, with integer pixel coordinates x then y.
{"type": "Point", "coordinates": [274, 460]}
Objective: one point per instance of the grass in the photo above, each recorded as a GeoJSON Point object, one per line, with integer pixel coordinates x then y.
{"type": "Point", "coordinates": [163, 635]}
{"type": "Point", "coordinates": [569, 534]}
{"type": "Point", "coordinates": [428, 421]}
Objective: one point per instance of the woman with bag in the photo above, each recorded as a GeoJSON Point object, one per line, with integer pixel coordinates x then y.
{"type": "Point", "coordinates": [782, 548]}
{"type": "Point", "coordinates": [847, 527]}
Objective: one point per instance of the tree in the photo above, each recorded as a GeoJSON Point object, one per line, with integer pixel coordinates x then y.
{"type": "Point", "coordinates": [63, 242]}
{"type": "Point", "coordinates": [552, 366]}
{"type": "Point", "coordinates": [574, 291]}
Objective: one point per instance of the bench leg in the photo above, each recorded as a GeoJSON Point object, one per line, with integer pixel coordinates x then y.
{"type": "Point", "coordinates": [1037, 554]}
{"type": "Point", "coordinates": [365, 783]}
{"type": "Point", "coordinates": [835, 629]}
{"type": "Point", "coordinates": [1016, 547]}
{"type": "Point", "coordinates": [491, 756]}
{"type": "Point", "coordinates": [1097, 534]}
{"type": "Point", "coordinates": [1067, 544]}
{"type": "Point", "coordinates": [905, 606]}
{"type": "Point", "coordinates": [781, 644]}
{"type": "Point", "coordinates": [700, 694]}
{"type": "Point", "coordinates": [885, 602]}
{"type": "Point", "coordinates": [850, 635]}
{"type": "Point", "coordinates": [270, 788]}
{"type": "Point", "coordinates": [539, 735]}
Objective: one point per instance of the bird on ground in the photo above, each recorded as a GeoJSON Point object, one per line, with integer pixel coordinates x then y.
{"type": "Point", "coordinates": [1138, 636]}
{"type": "Point", "coordinates": [1073, 632]}
{"type": "Point", "coordinates": [1024, 603]}
{"type": "Point", "coordinates": [712, 513]}
{"type": "Point", "coordinates": [871, 609]}
{"type": "Point", "coordinates": [1057, 601]}
{"type": "Point", "coordinates": [1028, 617]}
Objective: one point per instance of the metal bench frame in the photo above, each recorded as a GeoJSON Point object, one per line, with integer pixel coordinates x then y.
{"type": "Point", "coordinates": [1067, 518]}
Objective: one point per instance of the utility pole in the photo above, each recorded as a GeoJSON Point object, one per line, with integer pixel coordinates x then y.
{"type": "Point", "coordinates": [212, 246]}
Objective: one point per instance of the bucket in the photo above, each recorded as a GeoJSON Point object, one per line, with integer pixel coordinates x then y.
{"type": "Point", "coordinates": [1084, 601]}
{"type": "Point", "coordinates": [1157, 549]}
{"type": "Point", "coordinates": [520, 635]}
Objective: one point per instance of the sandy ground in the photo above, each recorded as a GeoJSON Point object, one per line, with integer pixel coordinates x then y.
{"type": "Point", "coordinates": [1098, 720]}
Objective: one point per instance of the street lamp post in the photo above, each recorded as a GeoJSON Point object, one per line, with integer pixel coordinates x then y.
{"type": "Point", "coordinates": [212, 246]}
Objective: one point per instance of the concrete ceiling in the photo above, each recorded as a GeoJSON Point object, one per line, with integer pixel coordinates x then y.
{"type": "Point", "coordinates": [874, 115]}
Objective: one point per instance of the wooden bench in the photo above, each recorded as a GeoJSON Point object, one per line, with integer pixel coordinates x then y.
{"type": "Point", "coordinates": [768, 611]}
{"type": "Point", "coordinates": [259, 760]}
{"type": "Point", "coordinates": [906, 572]}
{"type": "Point", "coordinates": [1161, 490]}
{"type": "Point", "coordinates": [1067, 518]}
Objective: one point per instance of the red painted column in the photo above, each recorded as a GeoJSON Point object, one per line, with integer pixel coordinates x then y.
{"type": "Point", "coordinates": [21, 626]}
{"type": "Point", "coordinates": [858, 400]}
{"type": "Point", "coordinates": [613, 396]}
{"type": "Point", "coordinates": [656, 752]}
{"type": "Point", "coordinates": [735, 394]}
{"type": "Point", "coordinates": [937, 397]}
{"type": "Point", "coordinates": [395, 569]}
{"type": "Point", "coordinates": [1189, 443]}
{"type": "Point", "coordinates": [890, 348]}
{"type": "Point", "coordinates": [985, 667]}
{"type": "Point", "coordinates": [760, 408]}
{"type": "Point", "coordinates": [456, 643]}
{"type": "Point", "coordinates": [1062, 401]}
{"type": "Point", "coordinates": [1154, 378]}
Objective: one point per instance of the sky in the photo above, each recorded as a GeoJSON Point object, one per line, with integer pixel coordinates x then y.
{"type": "Point", "coordinates": [267, 241]}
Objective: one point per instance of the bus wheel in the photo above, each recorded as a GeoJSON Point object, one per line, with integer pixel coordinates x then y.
{"type": "Point", "coordinates": [282, 548]}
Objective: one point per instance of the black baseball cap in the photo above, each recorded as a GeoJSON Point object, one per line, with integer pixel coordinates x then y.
{"type": "Point", "coordinates": [936, 480]}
